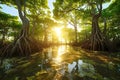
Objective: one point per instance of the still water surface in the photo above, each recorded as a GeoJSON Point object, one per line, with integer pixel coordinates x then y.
{"type": "Point", "coordinates": [61, 63]}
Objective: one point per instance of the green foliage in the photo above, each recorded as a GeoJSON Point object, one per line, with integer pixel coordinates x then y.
{"type": "Point", "coordinates": [68, 35]}
{"type": "Point", "coordinates": [75, 12]}
{"type": "Point", "coordinates": [114, 8]}
{"type": "Point", "coordinates": [9, 25]}
{"type": "Point", "coordinates": [84, 6]}
{"type": "Point", "coordinates": [112, 15]}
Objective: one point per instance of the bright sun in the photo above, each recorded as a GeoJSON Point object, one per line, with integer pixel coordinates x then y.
{"type": "Point", "coordinates": [58, 32]}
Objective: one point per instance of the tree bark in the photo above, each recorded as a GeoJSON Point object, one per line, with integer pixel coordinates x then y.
{"type": "Point", "coordinates": [76, 36]}
{"type": "Point", "coordinates": [21, 46]}
{"type": "Point", "coordinates": [97, 41]}
{"type": "Point", "coordinates": [96, 36]}
{"type": "Point", "coordinates": [74, 24]}
{"type": "Point", "coordinates": [22, 43]}
{"type": "Point", "coordinates": [45, 34]}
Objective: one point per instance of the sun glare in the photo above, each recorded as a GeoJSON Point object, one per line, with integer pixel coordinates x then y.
{"type": "Point", "coordinates": [58, 32]}
{"type": "Point", "coordinates": [61, 50]}
{"type": "Point", "coordinates": [79, 29]}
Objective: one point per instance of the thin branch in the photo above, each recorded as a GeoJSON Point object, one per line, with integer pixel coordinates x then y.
{"type": "Point", "coordinates": [86, 23]}
{"type": "Point", "coordinates": [98, 7]}
{"type": "Point", "coordinates": [71, 9]}
{"type": "Point", "coordinates": [70, 23]}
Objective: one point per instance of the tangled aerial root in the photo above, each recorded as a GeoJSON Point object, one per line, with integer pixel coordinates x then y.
{"type": "Point", "coordinates": [96, 43]}
{"type": "Point", "coordinates": [20, 48]}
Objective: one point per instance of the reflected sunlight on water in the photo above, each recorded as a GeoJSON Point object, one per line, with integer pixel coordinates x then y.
{"type": "Point", "coordinates": [62, 63]}
{"type": "Point", "coordinates": [66, 62]}
{"type": "Point", "coordinates": [61, 50]}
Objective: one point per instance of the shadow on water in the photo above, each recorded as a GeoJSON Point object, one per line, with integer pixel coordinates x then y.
{"type": "Point", "coordinates": [61, 63]}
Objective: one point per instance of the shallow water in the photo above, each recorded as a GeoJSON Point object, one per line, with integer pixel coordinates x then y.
{"type": "Point", "coordinates": [61, 63]}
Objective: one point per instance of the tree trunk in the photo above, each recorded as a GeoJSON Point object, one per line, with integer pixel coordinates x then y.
{"type": "Point", "coordinates": [96, 36]}
{"type": "Point", "coordinates": [97, 41]}
{"type": "Point", "coordinates": [21, 46]}
{"type": "Point", "coordinates": [75, 27]}
{"type": "Point", "coordinates": [45, 34]}
{"type": "Point", "coordinates": [3, 39]}
{"type": "Point", "coordinates": [74, 24]}
{"type": "Point", "coordinates": [76, 36]}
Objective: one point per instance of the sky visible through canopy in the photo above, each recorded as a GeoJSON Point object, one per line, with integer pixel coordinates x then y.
{"type": "Point", "coordinates": [11, 10]}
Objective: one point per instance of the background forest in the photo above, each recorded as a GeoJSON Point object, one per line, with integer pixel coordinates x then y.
{"type": "Point", "coordinates": [60, 40]}
{"type": "Point", "coordinates": [85, 23]}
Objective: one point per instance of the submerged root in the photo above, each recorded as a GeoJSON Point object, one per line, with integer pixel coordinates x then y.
{"type": "Point", "coordinates": [96, 43]}
{"type": "Point", "coordinates": [23, 46]}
